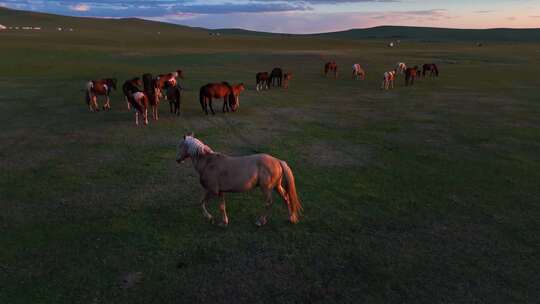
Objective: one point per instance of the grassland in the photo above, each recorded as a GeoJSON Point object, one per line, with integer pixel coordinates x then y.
{"type": "Point", "coordinates": [427, 194]}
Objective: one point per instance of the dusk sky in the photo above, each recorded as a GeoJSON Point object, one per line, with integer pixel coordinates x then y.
{"type": "Point", "coordinates": [304, 16]}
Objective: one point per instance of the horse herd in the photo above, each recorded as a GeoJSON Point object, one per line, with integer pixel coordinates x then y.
{"type": "Point", "coordinates": [147, 91]}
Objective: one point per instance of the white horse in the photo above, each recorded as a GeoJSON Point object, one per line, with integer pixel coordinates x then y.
{"type": "Point", "coordinates": [388, 80]}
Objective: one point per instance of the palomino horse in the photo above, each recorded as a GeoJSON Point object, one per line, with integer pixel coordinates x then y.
{"type": "Point", "coordinates": [286, 78]}
{"type": "Point", "coordinates": [331, 67]}
{"type": "Point", "coordinates": [262, 79]}
{"type": "Point", "coordinates": [358, 72]}
{"type": "Point", "coordinates": [410, 75]}
{"type": "Point", "coordinates": [276, 76]}
{"type": "Point", "coordinates": [220, 174]}
{"type": "Point", "coordinates": [101, 87]}
{"type": "Point", "coordinates": [400, 68]}
{"type": "Point", "coordinates": [234, 97]}
{"type": "Point", "coordinates": [152, 92]}
{"type": "Point", "coordinates": [432, 68]}
{"type": "Point", "coordinates": [388, 80]}
{"type": "Point", "coordinates": [129, 88]}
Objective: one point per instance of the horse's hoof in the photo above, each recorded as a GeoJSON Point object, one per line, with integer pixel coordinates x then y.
{"type": "Point", "coordinates": [261, 222]}
{"type": "Point", "coordinates": [223, 224]}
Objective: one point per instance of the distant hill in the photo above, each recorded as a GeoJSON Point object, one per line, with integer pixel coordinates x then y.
{"type": "Point", "coordinates": [9, 17]}
{"type": "Point", "coordinates": [438, 34]}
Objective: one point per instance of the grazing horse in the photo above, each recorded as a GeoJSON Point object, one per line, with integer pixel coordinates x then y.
{"type": "Point", "coordinates": [432, 68]}
{"type": "Point", "coordinates": [388, 80]}
{"type": "Point", "coordinates": [358, 72]}
{"type": "Point", "coordinates": [262, 79]}
{"type": "Point", "coordinates": [152, 92]}
{"type": "Point", "coordinates": [174, 95]}
{"type": "Point", "coordinates": [220, 174]}
{"type": "Point", "coordinates": [410, 75]}
{"type": "Point", "coordinates": [234, 97]}
{"type": "Point", "coordinates": [139, 101]}
{"type": "Point", "coordinates": [213, 90]}
{"type": "Point", "coordinates": [331, 67]}
{"type": "Point", "coordinates": [400, 68]}
{"type": "Point", "coordinates": [276, 76]}
{"type": "Point", "coordinates": [101, 87]}
{"type": "Point", "coordinates": [286, 78]}
{"type": "Point", "coordinates": [129, 88]}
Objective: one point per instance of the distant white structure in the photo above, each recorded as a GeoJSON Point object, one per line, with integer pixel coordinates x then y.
{"type": "Point", "coordinates": [391, 44]}
{"type": "Point", "coordinates": [2, 27]}
{"type": "Point", "coordinates": [59, 28]}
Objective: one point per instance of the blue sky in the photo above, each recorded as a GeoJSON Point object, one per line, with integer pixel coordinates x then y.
{"type": "Point", "coordinates": [306, 16]}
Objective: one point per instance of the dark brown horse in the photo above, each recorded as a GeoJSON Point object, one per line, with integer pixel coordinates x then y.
{"type": "Point", "coordinates": [262, 79]}
{"type": "Point", "coordinates": [410, 75]}
{"type": "Point", "coordinates": [174, 95]}
{"type": "Point", "coordinates": [331, 67]}
{"type": "Point", "coordinates": [152, 92]}
{"type": "Point", "coordinates": [432, 68]}
{"type": "Point", "coordinates": [129, 88]}
{"type": "Point", "coordinates": [276, 76]}
{"type": "Point", "coordinates": [102, 87]}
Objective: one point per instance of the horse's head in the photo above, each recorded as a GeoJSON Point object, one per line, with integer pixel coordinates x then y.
{"type": "Point", "coordinates": [182, 152]}
{"type": "Point", "coordinates": [180, 74]}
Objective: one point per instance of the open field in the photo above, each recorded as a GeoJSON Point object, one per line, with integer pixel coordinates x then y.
{"type": "Point", "coordinates": [427, 194]}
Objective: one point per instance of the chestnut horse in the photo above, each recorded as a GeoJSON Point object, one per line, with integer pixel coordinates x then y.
{"type": "Point", "coordinates": [286, 78]}
{"type": "Point", "coordinates": [261, 80]}
{"type": "Point", "coordinates": [410, 75]}
{"type": "Point", "coordinates": [276, 76]}
{"type": "Point", "coordinates": [169, 79]}
{"type": "Point", "coordinates": [129, 88]}
{"type": "Point", "coordinates": [331, 67]}
{"type": "Point", "coordinates": [213, 90]}
{"type": "Point", "coordinates": [220, 174]}
{"type": "Point", "coordinates": [432, 68]}
{"type": "Point", "coordinates": [234, 97]}
{"type": "Point", "coordinates": [152, 92]}
{"type": "Point", "coordinates": [358, 72]}
{"type": "Point", "coordinates": [101, 87]}
{"type": "Point", "coordinates": [388, 80]}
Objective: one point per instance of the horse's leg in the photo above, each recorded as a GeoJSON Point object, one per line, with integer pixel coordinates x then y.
{"type": "Point", "coordinates": [222, 209]}
{"type": "Point", "coordinates": [128, 104]}
{"type": "Point", "coordinates": [204, 201]}
{"type": "Point", "coordinates": [137, 118]}
{"type": "Point", "coordinates": [212, 108]}
{"type": "Point", "coordinates": [267, 192]}
{"type": "Point", "coordinates": [225, 104]}
{"type": "Point", "coordinates": [145, 116]}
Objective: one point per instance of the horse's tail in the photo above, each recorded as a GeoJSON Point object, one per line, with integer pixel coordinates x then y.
{"type": "Point", "coordinates": [89, 87]}
{"type": "Point", "coordinates": [290, 187]}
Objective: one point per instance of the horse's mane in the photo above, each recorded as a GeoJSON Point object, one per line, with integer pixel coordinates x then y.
{"type": "Point", "coordinates": [196, 147]}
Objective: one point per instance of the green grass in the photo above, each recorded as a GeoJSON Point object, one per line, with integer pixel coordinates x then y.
{"type": "Point", "coordinates": [426, 194]}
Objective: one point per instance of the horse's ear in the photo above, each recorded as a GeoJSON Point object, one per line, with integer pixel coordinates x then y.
{"type": "Point", "coordinates": [191, 134]}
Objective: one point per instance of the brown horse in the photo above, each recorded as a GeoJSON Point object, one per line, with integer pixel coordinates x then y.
{"type": "Point", "coordinates": [213, 90]}
{"type": "Point", "coordinates": [286, 78]}
{"type": "Point", "coordinates": [432, 68]}
{"type": "Point", "coordinates": [174, 95]}
{"type": "Point", "coordinates": [101, 87]}
{"type": "Point", "coordinates": [169, 79]}
{"type": "Point", "coordinates": [261, 80]}
{"type": "Point", "coordinates": [152, 92]}
{"type": "Point", "coordinates": [331, 67]}
{"type": "Point", "coordinates": [220, 174]}
{"type": "Point", "coordinates": [410, 75]}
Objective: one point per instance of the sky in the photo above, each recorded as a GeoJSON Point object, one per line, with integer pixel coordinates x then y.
{"type": "Point", "coordinates": [305, 16]}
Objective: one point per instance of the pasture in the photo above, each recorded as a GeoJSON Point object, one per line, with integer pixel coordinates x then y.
{"type": "Point", "coordinates": [424, 194]}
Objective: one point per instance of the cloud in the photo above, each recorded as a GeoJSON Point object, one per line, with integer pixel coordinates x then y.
{"type": "Point", "coordinates": [81, 7]}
